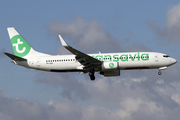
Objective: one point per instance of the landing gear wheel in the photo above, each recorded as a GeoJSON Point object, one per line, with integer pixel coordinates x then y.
{"type": "Point", "coordinates": [159, 73]}
{"type": "Point", "coordinates": [92, 78]}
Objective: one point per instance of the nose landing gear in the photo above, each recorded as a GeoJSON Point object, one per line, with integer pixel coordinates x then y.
{"type": "Point", "coordinates": [159, 73]}
{"type": "Point", "coordinates": [162, 68]}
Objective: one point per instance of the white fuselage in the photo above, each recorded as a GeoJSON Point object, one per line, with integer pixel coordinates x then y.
{"type": "Point", "coordinates": [107, 64]}
{"type": "Point", "coordinates": [125, 61]}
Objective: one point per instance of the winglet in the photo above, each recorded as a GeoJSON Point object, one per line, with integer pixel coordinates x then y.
{"type": "Point", "coordinates": [62, 41]}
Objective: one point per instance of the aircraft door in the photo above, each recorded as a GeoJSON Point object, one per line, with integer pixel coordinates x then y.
{"type": "Point", "coordinates": [156, 58]}
{"type": "Point", "coordinates": [38, 63]}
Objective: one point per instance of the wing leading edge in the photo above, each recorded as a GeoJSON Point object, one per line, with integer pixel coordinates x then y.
{"type": "Point", "coordinates": [86, 60]}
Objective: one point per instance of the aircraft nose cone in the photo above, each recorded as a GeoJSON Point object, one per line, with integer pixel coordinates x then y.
{"type": "Point", "coordinates": [173, 61]}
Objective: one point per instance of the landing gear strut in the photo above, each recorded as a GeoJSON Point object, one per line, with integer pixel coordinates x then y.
{"type": "Point", "coordinates": [162, 68]}
{"type": "Point", "coordinates": [91, 74]}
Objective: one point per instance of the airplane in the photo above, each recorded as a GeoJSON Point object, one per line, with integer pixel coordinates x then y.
{"type": "Point", "coordinates": [107, 64]}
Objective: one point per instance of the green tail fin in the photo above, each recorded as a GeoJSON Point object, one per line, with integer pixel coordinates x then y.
{"type": "Point", "coordinates": [20, 47]}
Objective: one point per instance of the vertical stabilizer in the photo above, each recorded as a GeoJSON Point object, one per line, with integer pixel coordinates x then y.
{"type": "Point", "coordinates": [20, 47]}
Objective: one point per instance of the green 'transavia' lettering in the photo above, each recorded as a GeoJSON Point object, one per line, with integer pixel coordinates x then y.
{"type": "Point", "coordinates": [123, 57]}
{"type": "Point", "coordinates": [132, 57]}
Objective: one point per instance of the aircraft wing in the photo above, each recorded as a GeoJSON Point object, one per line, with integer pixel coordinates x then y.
{"type": "Point", "coordinates": [83, 58]}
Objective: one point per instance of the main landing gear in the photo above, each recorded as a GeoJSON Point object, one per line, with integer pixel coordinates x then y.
{"type": "Point", "coordinates": [91, 74]}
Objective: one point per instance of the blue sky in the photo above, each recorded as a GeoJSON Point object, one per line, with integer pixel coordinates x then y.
{"type": "Point", "coordinates": [91, 26]}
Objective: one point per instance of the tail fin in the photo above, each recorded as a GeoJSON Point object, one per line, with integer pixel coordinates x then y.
{"type": "Point", "coordinates": [20, 47]}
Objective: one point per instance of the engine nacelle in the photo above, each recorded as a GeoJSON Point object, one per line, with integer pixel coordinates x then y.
{"type": "Point", "coordinates": [108, 65]}
{"type": "Point", "coordinates": [111, 73]}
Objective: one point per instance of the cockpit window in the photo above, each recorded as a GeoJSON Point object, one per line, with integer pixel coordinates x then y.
{"type": "Point", "coordinates": [166, 56]}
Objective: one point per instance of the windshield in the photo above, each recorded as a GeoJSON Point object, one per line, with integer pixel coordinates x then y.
{"type": "Point", "coordinates": [166, 56]}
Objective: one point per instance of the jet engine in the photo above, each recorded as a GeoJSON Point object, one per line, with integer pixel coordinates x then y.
{"type": "Point", "coordinates": [109, 65]}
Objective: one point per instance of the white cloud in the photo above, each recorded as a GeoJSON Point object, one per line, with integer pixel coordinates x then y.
{"type": "Point", "coordinates": [87, 36]}
{"type": "Point", "coordinates": [71, 86]}
{"type": "Point", "coordinates": [171, 30]}
{"type": "Point", "coordinates": [116, 98]}
{"type": "Point", "coordinates": [176, 98]}
{"type": "Point", "coordinates": [172, 91]}
{"type": "Point", "coordinates": [173, 16]}
{"type": "Point", "coordinates": [65, 110]}
{"type": "Point", "coordinates": [106, 98]}
{"type": "Point", "coordinates": [139, 79]}
{"type": "Point", "coordinates": [19, 109]}
{"type": "Point", "coordinates": [161, 81]}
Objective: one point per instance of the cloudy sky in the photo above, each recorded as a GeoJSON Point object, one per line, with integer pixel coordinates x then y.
{"type": "Point", "coordinates": [91, 26]}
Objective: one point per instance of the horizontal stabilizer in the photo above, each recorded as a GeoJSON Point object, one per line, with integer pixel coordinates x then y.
{"type": "Point", "coordinates": [14, 57]}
